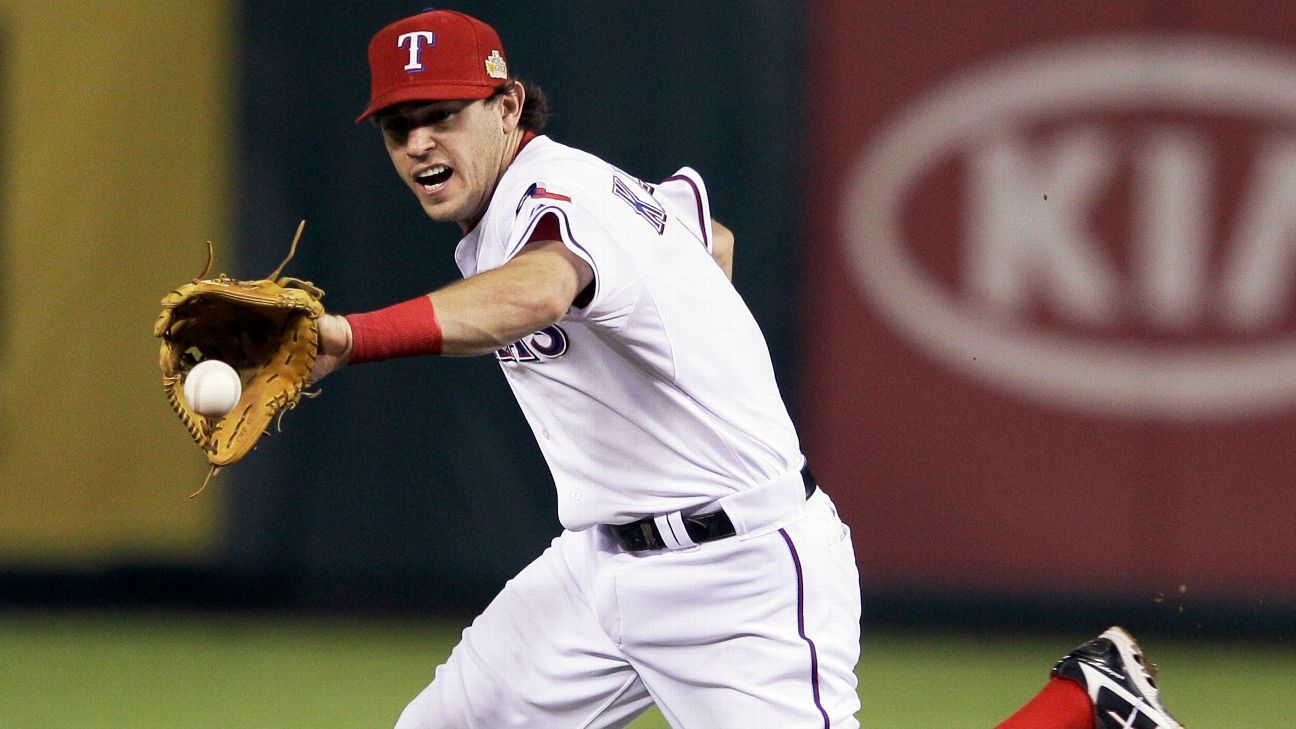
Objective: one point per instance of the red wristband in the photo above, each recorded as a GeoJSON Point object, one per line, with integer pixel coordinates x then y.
{"type": "Point", "coordinates": [408, 329]}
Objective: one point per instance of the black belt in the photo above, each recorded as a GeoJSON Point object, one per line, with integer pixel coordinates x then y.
{"type": "Point", "coordinates": [643, 535]}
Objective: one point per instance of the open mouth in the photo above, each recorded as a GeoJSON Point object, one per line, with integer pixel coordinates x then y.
{"type": "Point", "coordinates": [433, 178]}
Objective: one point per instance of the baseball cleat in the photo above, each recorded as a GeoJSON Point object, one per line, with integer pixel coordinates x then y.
{"type": "Point", "coordinates": [1120, 682]}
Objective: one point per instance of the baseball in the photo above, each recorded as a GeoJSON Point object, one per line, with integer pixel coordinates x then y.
{"type": "Point", "coordinates": [212, 388]}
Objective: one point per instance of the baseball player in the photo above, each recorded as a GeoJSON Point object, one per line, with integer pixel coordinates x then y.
{"type": "Point", "coordinates": [701, 568]}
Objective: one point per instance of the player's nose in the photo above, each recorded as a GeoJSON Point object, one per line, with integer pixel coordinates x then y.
{"type": "Point", "coordinates": [420, 142]}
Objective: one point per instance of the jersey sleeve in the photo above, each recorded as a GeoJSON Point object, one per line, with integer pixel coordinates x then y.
{"type": "Point", "coordinates": [684, 196]}
{"type": "Point", "coordinates": [566, 214]}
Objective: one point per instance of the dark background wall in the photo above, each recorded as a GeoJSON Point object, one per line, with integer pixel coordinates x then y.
{"type": "Point", "coordinates": [875, 160]}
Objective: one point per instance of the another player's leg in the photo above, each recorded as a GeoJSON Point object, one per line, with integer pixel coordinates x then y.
{"type": "Point", "coordinates": [1104, 684]}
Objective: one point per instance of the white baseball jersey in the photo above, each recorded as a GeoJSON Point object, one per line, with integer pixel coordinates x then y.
{"type": "Point", "coordinates": [658, 395]}
{"type": "Point", "coordinates": [654, 396]}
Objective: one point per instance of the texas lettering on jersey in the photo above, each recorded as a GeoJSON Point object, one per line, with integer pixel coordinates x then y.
{"type": "Point", "coordinates": [548, 343]}
{"type": "Point", "coordinates": [655, 216]}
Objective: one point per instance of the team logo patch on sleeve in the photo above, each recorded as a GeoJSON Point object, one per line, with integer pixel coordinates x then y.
{"type": "Point", "coordinates": [537, 190]}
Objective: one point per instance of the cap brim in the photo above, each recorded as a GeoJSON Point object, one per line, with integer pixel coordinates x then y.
{"type": "Point", "coordinates": [426, 92]}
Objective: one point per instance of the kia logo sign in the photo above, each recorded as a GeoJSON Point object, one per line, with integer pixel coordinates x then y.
{"type": "Point", "coordinates": [1095, 255]}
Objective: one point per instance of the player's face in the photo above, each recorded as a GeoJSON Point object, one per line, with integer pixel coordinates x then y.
{"type": "Point", "coordinates": [451, 153]}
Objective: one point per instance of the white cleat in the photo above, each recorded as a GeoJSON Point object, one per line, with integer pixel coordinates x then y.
{"type": "Point", "coordinates": [1120, 682]}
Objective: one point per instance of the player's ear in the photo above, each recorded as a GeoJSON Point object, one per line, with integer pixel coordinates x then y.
{"type": "Point", "coordinates": [510, 104]}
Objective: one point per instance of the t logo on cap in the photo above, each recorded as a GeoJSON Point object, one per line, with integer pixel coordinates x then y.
{"type": "Point", "coordinates": [417, 41]}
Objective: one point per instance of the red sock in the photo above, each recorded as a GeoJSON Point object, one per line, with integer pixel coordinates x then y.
{"type": "Point", "coordinates": [1063, 704]}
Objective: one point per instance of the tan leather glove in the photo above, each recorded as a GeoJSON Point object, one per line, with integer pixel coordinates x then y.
{"type": "Point", "coordinates": [267, 330]}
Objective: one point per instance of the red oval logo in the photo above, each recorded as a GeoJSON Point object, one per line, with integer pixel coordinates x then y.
{"type": "Point", "coordinates": [1107, 226]}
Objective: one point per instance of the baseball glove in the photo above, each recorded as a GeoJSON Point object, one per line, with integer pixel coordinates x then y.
{"type": "Point", "coordinates": [267, 330]}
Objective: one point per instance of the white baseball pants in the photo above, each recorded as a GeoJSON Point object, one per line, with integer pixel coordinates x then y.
{"type": "Point", "coordinates": [756, 630]}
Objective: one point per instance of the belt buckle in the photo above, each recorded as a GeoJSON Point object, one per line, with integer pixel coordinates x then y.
{"type": "Point", "coordinates": [673, 531]}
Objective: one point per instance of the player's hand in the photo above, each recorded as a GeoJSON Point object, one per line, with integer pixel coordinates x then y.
{"type": "Point", "coordinates": [334, 346]}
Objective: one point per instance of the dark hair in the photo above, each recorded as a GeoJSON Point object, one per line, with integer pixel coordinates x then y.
{"type": "Point", "coordinates": [535, 110]}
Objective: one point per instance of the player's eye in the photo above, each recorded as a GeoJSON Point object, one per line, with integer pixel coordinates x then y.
{"type": "Point", "coordinates": [397, 126]}
{"type": "Point", "coordinates": [437, 117]}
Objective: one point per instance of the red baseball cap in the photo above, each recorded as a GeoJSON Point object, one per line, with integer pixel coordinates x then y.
{"type": "Point", "coordinates": [437, 55]}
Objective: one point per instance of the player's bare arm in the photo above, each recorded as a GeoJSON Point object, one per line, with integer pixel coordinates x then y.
{"type": "Point", "coordinates": [493, 309]}
{"type": "Point", "coordinates": [722, 244]}
{"type": "Point", "coordinates": [496, 308]}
